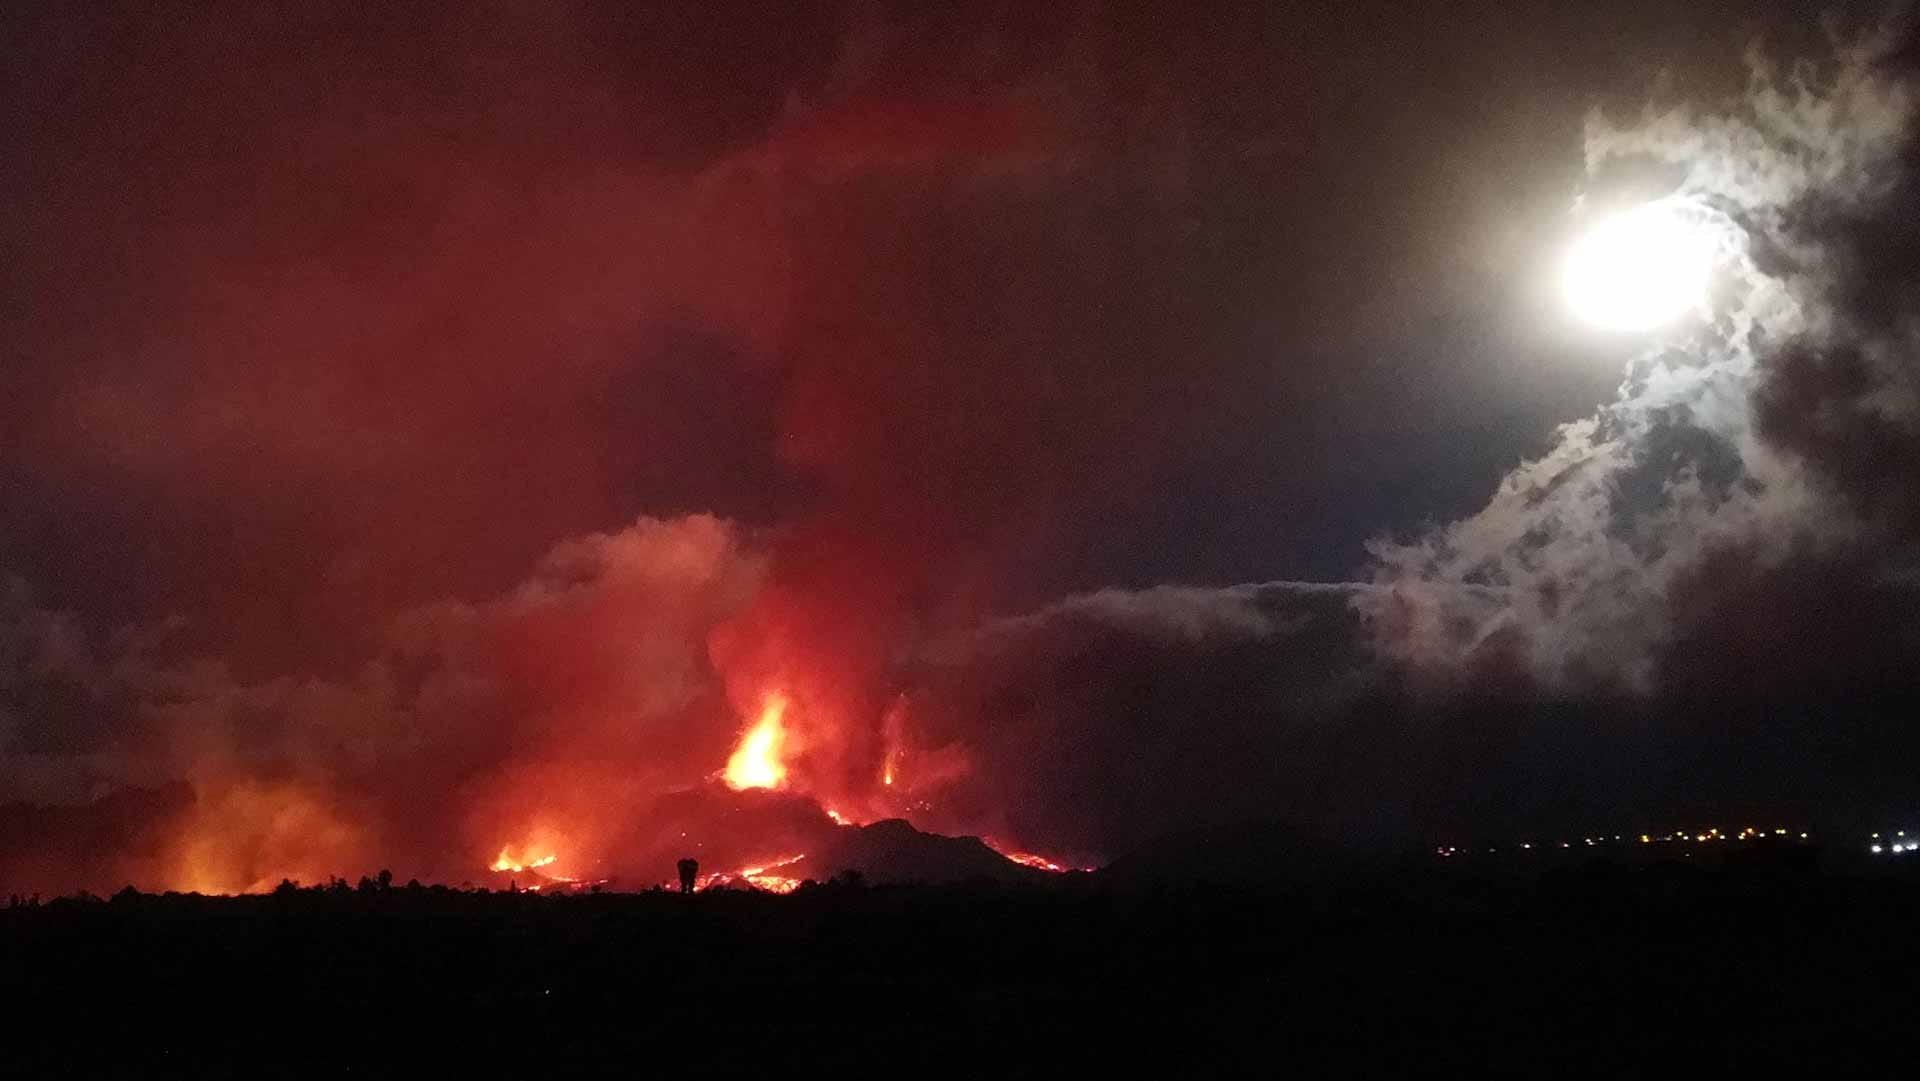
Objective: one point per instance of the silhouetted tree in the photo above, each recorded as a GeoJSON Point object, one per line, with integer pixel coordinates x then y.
{"type": "Point", "coordinates": [689, 870]}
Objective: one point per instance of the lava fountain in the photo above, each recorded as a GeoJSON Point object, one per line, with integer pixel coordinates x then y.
{"type": "Point", "coordinates": [756, 762]}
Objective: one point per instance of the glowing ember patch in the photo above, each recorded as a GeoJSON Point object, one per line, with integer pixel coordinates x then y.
{"type": "Point", "coordinates": [838, 818]}
{"type": "Point", "coordinates": [756, 762]}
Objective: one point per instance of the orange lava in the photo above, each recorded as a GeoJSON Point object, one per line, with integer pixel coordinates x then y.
{"type": "Point", "coordinates": [506, 862]}
{"type": "Point", "coordinates": [766, 879]}
{"type": "Point", "coordinates": [893, 727]}
{"type": "Point", "coordinates": [1028, 859]}
{"type": "Point", "coordinates": [756, 762]}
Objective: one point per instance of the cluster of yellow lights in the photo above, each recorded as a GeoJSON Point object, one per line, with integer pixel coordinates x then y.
{"type": "Point", "coordinates": [1712, 834]}
{"type": "Point", "coordinates": [1707, 836]}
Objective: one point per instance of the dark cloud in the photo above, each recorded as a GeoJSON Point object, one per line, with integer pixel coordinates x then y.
{"type": "Point", "coordinates": [1103, 720]}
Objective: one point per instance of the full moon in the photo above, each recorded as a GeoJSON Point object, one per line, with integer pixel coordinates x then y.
{"type": "Point", "coordinates": [1639, 269]}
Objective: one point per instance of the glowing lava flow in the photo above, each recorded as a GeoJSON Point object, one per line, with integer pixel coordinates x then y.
{"type": "Point", "coordinates": [756, 762]}
{"type": "Point", "coordinates": [506, 862]}
{"type": "Point", "coordinates": [764, 878]}
{"type": "Point", "coordinates": [1028, 859]}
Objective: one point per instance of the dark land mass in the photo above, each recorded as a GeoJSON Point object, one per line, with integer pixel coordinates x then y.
{"type": "Point", "coordinates": [892, 851]}
{"type": "Point", "coordinates": [1568, 965]}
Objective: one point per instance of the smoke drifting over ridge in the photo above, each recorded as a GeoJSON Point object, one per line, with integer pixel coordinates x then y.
{"type": "Point", "coordinates": [831, 467]}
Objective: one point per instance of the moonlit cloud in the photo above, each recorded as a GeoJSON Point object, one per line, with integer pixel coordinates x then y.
{"type": "Point", "coordinates": [1582, 547]}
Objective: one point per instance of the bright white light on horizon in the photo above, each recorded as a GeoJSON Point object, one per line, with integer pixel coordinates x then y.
{"type": "Point", "coordinates": [1639, 269]}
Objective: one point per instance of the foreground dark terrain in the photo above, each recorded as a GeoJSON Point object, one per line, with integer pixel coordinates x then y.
{"type": "Point", "coordinates": [1587, 968]}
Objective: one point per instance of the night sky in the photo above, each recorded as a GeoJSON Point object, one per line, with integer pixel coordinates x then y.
{"type": "Point", "coordinates": [432, 429]}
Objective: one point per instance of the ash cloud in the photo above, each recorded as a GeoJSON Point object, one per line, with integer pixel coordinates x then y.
{"type": "Point", "coordinates": [555, 712]}
{"type": "Point", "coordinates": [1098, 722]}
